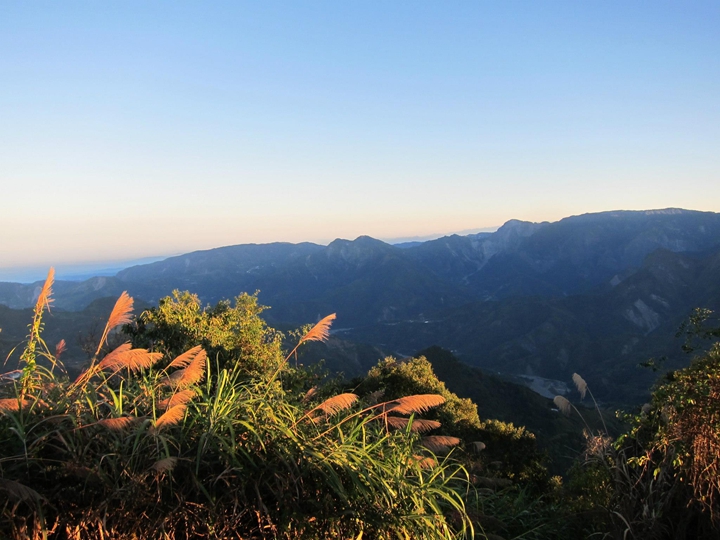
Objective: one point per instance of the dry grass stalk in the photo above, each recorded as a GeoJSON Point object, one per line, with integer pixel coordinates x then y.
{"type": "Point", "coordinates": [60, 348]}
{"type": "Point", "coordinates": [396, 422]}
{"type": "Point", "coordinates": [375, 397]}
{"type": "Point", "coordinates": [164, 465]}
{"type": "Point", "coordinates": [19, 491]}
{"type": "Point", "coordinates": [478, 446]}
{"type": "Point", "coordinates": [192, 374]}
{"type": "Point", "coordinates": [181, 398]}
{"type": "Point", "coordinates": [417, 426]}
{"type": "Point", "coordinates": [108, 361]}
{"type": "Point", "coordinates": [439, 444]}
{"type": "Point", "coordinates": [172, 417]}
{"type": "Point", "coordinates": [424, 462]}
{"type": "Point", "coordinates": [44, 298]}
{"type": "Point", "coordinates": [580, 384]}
{"type": "Point", "coordinates": [186, 358]}
{"type": "Point", "coordinates": [28, 356]}
{"type": "Point", "coordinates": [111, 357]}
{"type": "Point", "coordinates": [337, 403]}
{"type": "Point", "coordinates": [12, 405]}
{"type": "Point", "coordinates": [132, 359]}
{"type": "Point", "coordinates": [120, 314]}
{"type": "Point", "coordinates": [309, 394]}
{"type": "Point", "coordinates": [418, 403]}
{"type": "Point", "coordinates": [596, 445]}
{"type": "Point", "coordinates": [563, 404]}
{"type": "Point", "coordinates": [321, 331]}
{"type": "Point", "coordinates": [117, 424]}
{"type": "Point", "coordinates": [423, 426]}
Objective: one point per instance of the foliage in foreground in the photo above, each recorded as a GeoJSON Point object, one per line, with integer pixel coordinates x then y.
{"type": "Point", "coordinates": [199, 428]}
{"type": "Point", "coordinates": [190, 445]}
{"type": "Point", "coordinates": [661, 479]}
{"type": "Point", "coordinates": [508, 452]}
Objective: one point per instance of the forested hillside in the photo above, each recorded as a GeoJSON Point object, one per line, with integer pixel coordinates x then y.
{"type": "Point", "coordinates": [597, 293]}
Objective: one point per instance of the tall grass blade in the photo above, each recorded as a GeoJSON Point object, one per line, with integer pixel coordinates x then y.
{"type": "Point", "coordinates": [181, 398]}
{"type": "Point", "coordinates": [580, 384]}
{"type": "Point", "coordinates": [439, 444]}
{"type": "Point", "coordinates": [321, 331]}
{"type": "Point", "coordinates": [563, 404]}
{"type": "Point", "coordinates": [117, 424]}
{"type": "Point", "coordinates": [185, 358]}
{"type": "Point", "coordinates": [192, 374]}
{"type": "Point", "coordinates": [418, 403]}
{"type": "Point", "coordinates": [120, 314]}
{"type": "Point", "coordinates": [172, 417]}
{"type": "Point", "coordinates": [337, 403]}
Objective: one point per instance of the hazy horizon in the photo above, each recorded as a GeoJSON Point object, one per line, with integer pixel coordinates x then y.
{"type": "Point", "coordinates": [83, 269]}
{"type": "Point", "coordinates": [137, 129]}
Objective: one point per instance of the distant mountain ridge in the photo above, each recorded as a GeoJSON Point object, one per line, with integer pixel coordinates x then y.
{"type": "Point", "coordinates": [543, 299]}
{"type": "Point", "coordinates": [573, 255]}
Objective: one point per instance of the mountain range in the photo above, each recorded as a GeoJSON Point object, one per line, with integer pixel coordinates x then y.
{"type": "Point", "coordinates": [595, 293]}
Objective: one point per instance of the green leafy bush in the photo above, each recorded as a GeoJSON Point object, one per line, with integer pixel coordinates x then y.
{"type": "Point", "coordinates": [230, 333]}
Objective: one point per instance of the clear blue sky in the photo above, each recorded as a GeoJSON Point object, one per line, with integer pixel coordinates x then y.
{"type": "Point", "coordinates": [139, 128]}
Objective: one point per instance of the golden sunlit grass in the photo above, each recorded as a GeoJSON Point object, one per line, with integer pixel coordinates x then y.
{"type": "Point", "coordinates": [201, 449]}
{"type": "Point", "coordinates": [181, 398]}
{"type": "Point", "coordinates": [185, 358]}
{"type": "Point", "coordinates": [193, 373]}
{"type": "Point", "coordinates": [416, 404]}
{"type": "Point", "coordinates": [171, 417]}
{"type": "Point", "coordinates": [124, 422]}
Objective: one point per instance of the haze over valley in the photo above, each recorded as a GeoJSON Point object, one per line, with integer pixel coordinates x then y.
{"type": "Point", "coordinates": [595, 293]}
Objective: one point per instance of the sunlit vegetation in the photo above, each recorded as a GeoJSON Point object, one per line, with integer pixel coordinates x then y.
{"type": "Point", "coordinates": [198, 422]}
{"type": "Point", "coordinates": [190, 445]}
{"type": "Point", "coordinates": [660, 479]}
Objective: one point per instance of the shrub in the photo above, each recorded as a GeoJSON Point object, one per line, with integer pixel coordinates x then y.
{"type": "Point", "coordinates": [230, 333]}
{"type": "Point", "coordinates": [661, 478]}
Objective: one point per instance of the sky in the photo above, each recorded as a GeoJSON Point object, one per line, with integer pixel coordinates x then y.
{"type": "Point", "coordinates": [133, 129]}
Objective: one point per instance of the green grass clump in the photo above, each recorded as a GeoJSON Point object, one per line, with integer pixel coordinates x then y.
{"type": "Point", "coordinates": [199, 436]}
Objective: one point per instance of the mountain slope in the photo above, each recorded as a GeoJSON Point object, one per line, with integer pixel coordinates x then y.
{"type": "Point", "coordinates": [596, 293]}
{"type": "Point", "coordinates": [604, 336]}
